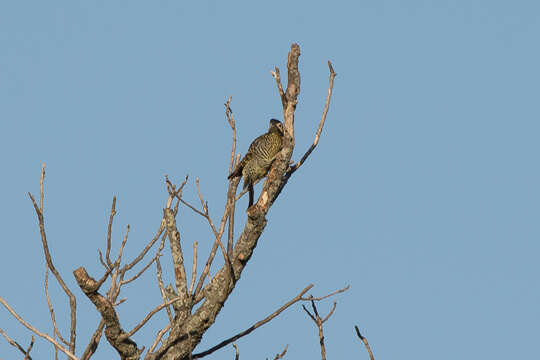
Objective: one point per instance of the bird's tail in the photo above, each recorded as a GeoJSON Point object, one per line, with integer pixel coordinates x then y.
{"type": "Point", "coordinates": [237, 171]}
{"type": "Point", "coordinates": [251, 193]}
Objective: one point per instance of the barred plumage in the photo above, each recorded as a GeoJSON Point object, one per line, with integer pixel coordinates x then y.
{"type": "Point", "coordinates": [262, 152]}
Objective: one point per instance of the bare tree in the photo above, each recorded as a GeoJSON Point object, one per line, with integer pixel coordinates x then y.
{"type": "Point", "coordinates": [192, 305]}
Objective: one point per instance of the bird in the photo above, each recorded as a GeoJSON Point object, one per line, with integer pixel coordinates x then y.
{"type": "Point", "coordinates": [257, 161]}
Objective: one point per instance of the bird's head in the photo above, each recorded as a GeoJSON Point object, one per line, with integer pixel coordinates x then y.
{"type": "Point", "coordinates": [275, 126]}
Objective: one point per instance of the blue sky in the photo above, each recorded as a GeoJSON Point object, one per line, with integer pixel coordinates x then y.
{"type": "Point", "coordinates": [423, 194]}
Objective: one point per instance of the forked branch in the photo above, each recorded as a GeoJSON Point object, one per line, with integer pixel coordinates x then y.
{"type": "Point", "coordinates": [36, 331]}
{"type": "Point", "coordinates": [50, 264]}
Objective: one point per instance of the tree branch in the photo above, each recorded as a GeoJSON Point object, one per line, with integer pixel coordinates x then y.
{"type": "Point", "coordinates": [319, 323]}
{"type": "Point", "coordinates": [158, 339]}
{"type": "Point", "coordinates": [277, 77]}
{"type": "Point", "coordinates": [146, 318]}
{"type": "Point", "coordinates": [126, 348]}
{"type": "Point", "coordinates": [364, 340]}
{"type": "Point", "coordinates": [193, 270]}
{"type": "Point", "coordinates": [311, 298]}
{"type": "Point", "coordinates": [94, 341]}
{"type": "Point", "coordinates": [176, 250]}
{"type": "Point", "coordinates": [236, 352]}
{"type": "Point", "coordinates": [16, 344]}
{"type": "Point", "coordinates": [51, 309]}
{"type": "Point", "coordinates": [160, 279]}
{"type": "Point", "coordinates": [27, 356]}
{"type": "Point", "coordinates": [321, 125]}
{"type": "Point", "coordinates": [36, 331]}
{"type": "Point", "coordinates": [280, 356]}
{"type": "Point", "coordinates": [254, 326]}
{"type": "Point", "coordinates": [48, 259]}
{"type": "Point", "coordinates": [109, 233]}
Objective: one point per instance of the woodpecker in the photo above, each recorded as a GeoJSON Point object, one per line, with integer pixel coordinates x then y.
{"type": "Point", "coordinates": [262, 152]}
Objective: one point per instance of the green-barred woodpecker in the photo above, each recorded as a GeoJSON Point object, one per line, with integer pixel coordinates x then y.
{"type": "Point", "coordinates": [262, 152]}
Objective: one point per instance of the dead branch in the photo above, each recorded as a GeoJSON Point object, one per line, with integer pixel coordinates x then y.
{"type": "Point", "coordinates": [232, 124]}
{"type": "Point", "coordinates": [121, 250]}
{"type": "Point", "coordinates": [94, 341]}
{"type": "Point", "coordinates": [126, 348]}
{"type": "Point", "coordinates": [193, 270]}
{"type": "Point", "coordinates": [366, 344]}
{"type": "Point", "coordinates": [280, 356]}
{"type": "Point", "coordinates": [16, 344]}
{"type": "Point", "coordinates": [176, 250]}
{"type": "Point", "coordinates": [143, 253]}
{"type": "Point", "coordinates": [321, 125]}
{"type": "Point", "coordinates": [232, 163]}
{"type": "Point", "coordinates": [51, 309]}
{"type": "Point", "coordinates": [158, 339]}
{"type": "Point", "coordinates": [173, 193]}
{"type": "Point", "coordinates": [221, 227]}
{"type": "Point", "coordinates": [27, 356]}
{"type": "Point", "coordinates": [311, 298]}
{"type": "Point", "coordinates": [36, 331]}
{"type": "Point", "coordinates": [48, 258]}
{"type": "Point", "coordinates": [160, 279]}
{"type": "Point", "coordinates": [109, 233]}
{"type": "Point", "coordinates": [237, 352]}
{"type": "Point", "coordinates": [146, 318]}
{"type": "Point", "coordinates": [319, 322]}
{"type": "Point", "coordinates": [254, 326]}
{"type": "Point", "coordinates": [277, 76]}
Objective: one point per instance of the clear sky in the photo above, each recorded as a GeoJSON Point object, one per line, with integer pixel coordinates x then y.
{"type": "Point", "coordinates": [423, 195]}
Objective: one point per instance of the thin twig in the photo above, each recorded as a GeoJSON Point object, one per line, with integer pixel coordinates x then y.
{"type": "Point", "coordinates": [330, 313]}
{"type": "Point", "coordinates": [48, 259]}
{"type": "Point", "coordinates": [123, 282]}
{"type": "Point", "coordinates": [122, 245]}
{"type": "Point", "coordinates": [101, 260]}
{"type": "Point", "coordinates": [319, 322]}
{"type": "Point", "coordinates": [206, 270]}
{"type": "Point", "coordinates": [193, 208]}
{"type": "Point", "coordinates": [254, 326]}
{"type": "Point", "coordinates": [158, 339]}
{"type": "Point", "coordinates": [275, 75]}
{"type": "Point", "coordinates": [41, 182]}
{"type": "Point", "coordinates": [232, 124]}
{"type": "Point", "coordinates": [51, 309]}
{"type": "Point", "coordinates": [94, 341]}
{"type": "Point", "coordinates": [27, 356]}
{"type": "Point", "coordinates": [366, 344]}
{"type": "Point", "coordinates": [36, 331]}
{"type": "Point", "coordinates": [173, 193]}
{"type": "Point", "coordinates": [146, 248]}
{"type": "Point", "coordinates": [148, 317]}
{"type": "Point", "coordinates": [217, 241]}
{"type": "Point", "coordinates": [280, 356]}
{"type": "Point", "coordinates": [321, 125]}
{"type": "Point", "coordinates": [221, 228]}
{"type": "Point", "coordinates": [310, 298]}
{"type": "Point", "coordinates": [121, 301]}
{"type": "Point", "coordinates": [109, 233]}
{"type": "Point", "coordinates": [237, 352]}
{"type": "Point", "coordinates": [13, 342]}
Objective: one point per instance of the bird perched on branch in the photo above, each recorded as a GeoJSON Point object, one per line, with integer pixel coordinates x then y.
{"type": "Point", "coordinates": [262, 152]}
